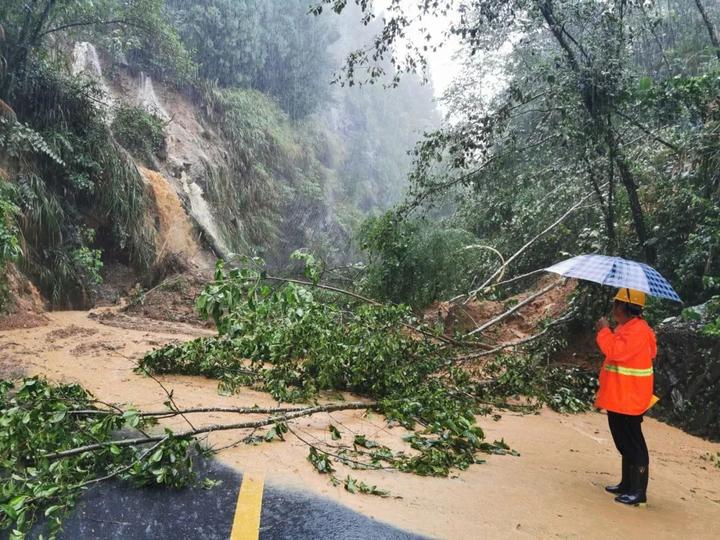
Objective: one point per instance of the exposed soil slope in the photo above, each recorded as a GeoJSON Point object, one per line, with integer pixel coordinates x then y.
{"type": "Point", "coordinates": [555, 489]}
{"type": "Point", "coordinates": [464, 317]}
{"type": "Point", "coordinates": [23, 306]}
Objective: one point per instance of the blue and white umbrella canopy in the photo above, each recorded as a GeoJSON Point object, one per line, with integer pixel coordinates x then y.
{"type": "Point", "coordinates": [616, 272]}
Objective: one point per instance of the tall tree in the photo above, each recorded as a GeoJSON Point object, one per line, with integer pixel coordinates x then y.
{"type": "Point", "coordinates": [710, 27]}
{"type": "Point", "coordinates": [591, 37]}
{"type": "Point", "coordinates": [27, 25]}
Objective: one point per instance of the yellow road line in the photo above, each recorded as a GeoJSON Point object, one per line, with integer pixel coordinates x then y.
{"type": "Point", "coordinates": [246, 524]}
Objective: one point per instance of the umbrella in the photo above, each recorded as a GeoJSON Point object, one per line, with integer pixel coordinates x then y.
{"type": "Point", "coordinates": [616, 272]}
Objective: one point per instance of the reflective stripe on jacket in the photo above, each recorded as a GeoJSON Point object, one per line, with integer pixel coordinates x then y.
{"type": "Point", "coordinates": [626, 376]}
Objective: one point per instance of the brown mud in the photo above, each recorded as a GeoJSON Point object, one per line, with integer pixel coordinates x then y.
{"type": "Point", "coordinates": [21, 302]}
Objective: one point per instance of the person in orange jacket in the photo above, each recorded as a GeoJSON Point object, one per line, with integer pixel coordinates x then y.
{"type": "Point", "coordinates": [626, 390]}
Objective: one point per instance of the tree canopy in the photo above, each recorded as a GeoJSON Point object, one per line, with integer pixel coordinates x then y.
{"type": "Point", "coordinates": [615, 98]}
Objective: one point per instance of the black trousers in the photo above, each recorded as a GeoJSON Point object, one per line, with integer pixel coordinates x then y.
{"type": "Point", "coordinates": [628, 437]}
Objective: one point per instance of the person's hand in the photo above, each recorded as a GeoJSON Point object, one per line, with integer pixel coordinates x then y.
{"type": "Point", "coordinates": [602, 323]}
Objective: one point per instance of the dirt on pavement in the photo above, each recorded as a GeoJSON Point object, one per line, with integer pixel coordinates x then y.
{"type": "Point", "coordinates": [554, 489]}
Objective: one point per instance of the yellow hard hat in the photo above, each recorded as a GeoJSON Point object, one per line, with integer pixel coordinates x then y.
{"type": "Point", "coordinates": [631, 296]}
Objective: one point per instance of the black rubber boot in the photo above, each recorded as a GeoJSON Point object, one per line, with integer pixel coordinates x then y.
{"type": "Point", "coordinates": [624, 485]}
{"type": "Point", "coordinates": [637, 495]}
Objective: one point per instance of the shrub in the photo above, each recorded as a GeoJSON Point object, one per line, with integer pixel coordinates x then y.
{"type": "Point", "coordinates": [139, 132]}
{"type": "Point", "coordinates": [415, 262]}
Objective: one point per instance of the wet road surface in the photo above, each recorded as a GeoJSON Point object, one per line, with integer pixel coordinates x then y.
{"type": "Point", "coordinates": [118, 511]}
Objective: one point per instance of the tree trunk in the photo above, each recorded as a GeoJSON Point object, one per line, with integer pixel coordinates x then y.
{"type": "Point", "coordinates": [605, 204]}
{"type": "Point", "coordinates": [710, 27]}
{"type": "Point", "coordinates": [19, 52]}
{"type": "Point", "coordinates": [630, 186]}
{"type": "Point", "coordinates": [591, 99]}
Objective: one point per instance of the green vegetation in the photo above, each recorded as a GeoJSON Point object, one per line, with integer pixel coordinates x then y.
{"type": "Point", "coordinates": [304, 162]}
{"type": "Point", "coordinates": [712, 328]}
{"type": "Point", "coordinates": [414, 262]}
{"type": "Point", "coordinates": [581, 109]}
{"type": "Point", "coordinates": [623, 109]}
{"type": "Point", "coordinates": [299, 335]}
{"type": "Point", "coordinates": [138, 29]}
{"type": "Point", "coordinates": [68, 173]}
{"type": "Point", "coordinates": [565, 389]}
{"type": "Point", "coordinates": [298, 345]}
{"type": "Point", "coordinates": [10, 249]}
{"type": "Point", "coordinates": [139, 132]}
{"type": "Point", "coordinates": [269, 45]}
{"type": "Point", "coordinates": [39, 419]}
{"type": "Point", "coordinates": [9, 242]}
{"type": "Point", "coordinates": [269, 168]}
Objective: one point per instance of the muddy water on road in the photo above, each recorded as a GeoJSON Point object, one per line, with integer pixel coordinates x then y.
{"type": "Point", "coordinates": [555, 489]}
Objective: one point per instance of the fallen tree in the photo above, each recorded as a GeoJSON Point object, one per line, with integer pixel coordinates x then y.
{"type": "Point", "coordinates": [293, 341]}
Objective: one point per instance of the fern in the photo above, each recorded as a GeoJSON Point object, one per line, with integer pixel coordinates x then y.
{"type": "Point", "coordinates": [19, 141]}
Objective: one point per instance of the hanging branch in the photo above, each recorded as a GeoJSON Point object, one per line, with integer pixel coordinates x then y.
{"type": "Point", "coordinates": [524, 248]}
{"type": "Point", "coordinates": [333, 407]}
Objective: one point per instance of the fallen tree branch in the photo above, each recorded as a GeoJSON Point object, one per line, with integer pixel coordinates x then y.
{"type": "Point", "coordinates": [343, 459]}
{"type": "Point", "coordinates": [112, 474]}
{"type": "Point", "coordinates": [355, 405]}
{"type": "Point", "coordinates": [512, 310]}
{"type": "Point", "coordinates": [169, 393]}
{"type": "Point", "coordinates": [169, 413]}
{"type": "Point", "coordinates": [529, 243]}
{"type": "Point", "coordinates": [121, 470]}
{"type": "Point", "coordinates": [365, 299]}
{"type": "Point", "coordinates": [516, 343]}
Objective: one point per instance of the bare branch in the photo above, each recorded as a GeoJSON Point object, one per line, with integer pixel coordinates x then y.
{"type": "Point", "coordinates": [529, 243]}
{"type": "Point", "coordinates": [355, 405]}
{"type": "Point", "coordinates": [505, 315]}
{"type": "Point", "coordinates": [195, 410]}
{"type": "Point", "coordinates": [514, 344]}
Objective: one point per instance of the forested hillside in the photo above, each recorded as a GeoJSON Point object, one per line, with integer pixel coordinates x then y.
{"type": "Point", "coordinates": [230, 102]}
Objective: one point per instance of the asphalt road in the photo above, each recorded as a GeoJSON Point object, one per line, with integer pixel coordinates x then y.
{"type": "Point", "coordinates": [117, 511]}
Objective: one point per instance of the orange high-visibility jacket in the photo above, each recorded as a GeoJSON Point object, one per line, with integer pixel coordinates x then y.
{"type": "Point", "coordinates": [626, 376]}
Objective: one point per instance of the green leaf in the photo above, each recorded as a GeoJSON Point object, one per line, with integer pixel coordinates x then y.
{"type": "Point", "coordinates": [58, 416]}
{"type": "Point", "coordinates": [53, 509]}
{"type": "Point", "coordinates": [350, 485]}
{"type": "Point", "coordinates": [17, 502]}
{"type": "Point", "coordinates": [645, 83]}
